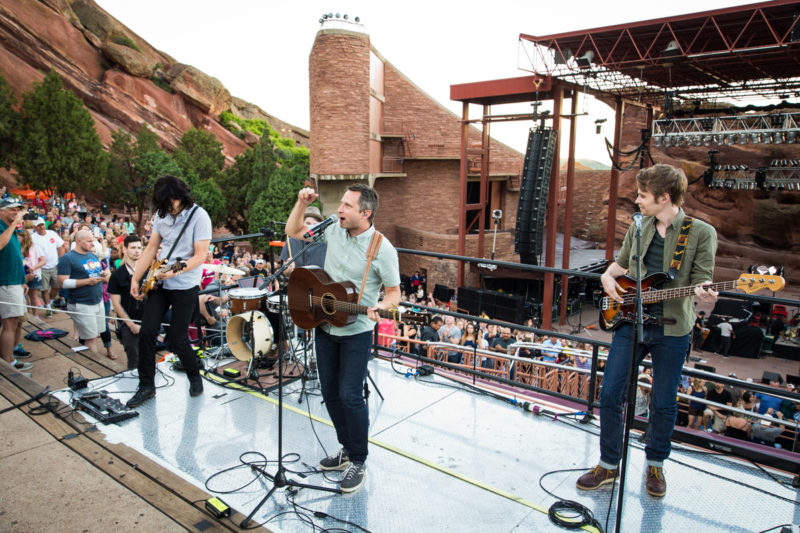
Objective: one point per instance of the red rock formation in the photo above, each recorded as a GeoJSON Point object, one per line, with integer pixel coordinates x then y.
{"type": "Point", "coordinates": [110, 68]}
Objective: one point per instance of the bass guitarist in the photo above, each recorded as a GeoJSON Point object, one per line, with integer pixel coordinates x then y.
{"type": "Point", "coordinates": [343, 352]}
{"type": "Point", "coordinates": [182, 229]}
{"type": "Point", "coordinates": [685, 249]}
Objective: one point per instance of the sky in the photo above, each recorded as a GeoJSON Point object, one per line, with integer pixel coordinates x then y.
{"type": "Point", "coordinates": [259, 48]}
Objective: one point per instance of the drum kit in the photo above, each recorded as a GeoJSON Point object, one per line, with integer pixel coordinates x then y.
{"type": "Point", "coordinates": [252, 318]}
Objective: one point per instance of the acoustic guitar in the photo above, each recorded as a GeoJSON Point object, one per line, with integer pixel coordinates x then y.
{"type": "Point", "coordinates": [613, 313]}
{"type": "Point", "coordinates": [314, 298]}
{"type": "Point", "coordinates": [150, 283]}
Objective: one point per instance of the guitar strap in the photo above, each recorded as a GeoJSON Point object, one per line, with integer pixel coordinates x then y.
{"type": "Point", "coordinates": [680, 247]}
{"type": "Point", "coordinates": [183, 229]}
{"type": "Point", "coordinates": [372, 253]}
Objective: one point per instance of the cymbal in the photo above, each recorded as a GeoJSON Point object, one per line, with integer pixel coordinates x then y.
{"type": "Point", "coordinates": [223, 269]}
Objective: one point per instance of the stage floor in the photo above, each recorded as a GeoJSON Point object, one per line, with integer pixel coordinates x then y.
{"type": "Point", "coordinates": [442, 458]}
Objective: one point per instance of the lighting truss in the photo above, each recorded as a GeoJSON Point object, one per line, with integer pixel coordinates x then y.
{"type": "Point", "coordinates": [773, 128]}
{"type": "Point", "coordinates": [781, 175]}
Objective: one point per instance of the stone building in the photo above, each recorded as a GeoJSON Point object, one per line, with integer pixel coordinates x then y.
{"type": "Point", "coordinates": [370, 123]}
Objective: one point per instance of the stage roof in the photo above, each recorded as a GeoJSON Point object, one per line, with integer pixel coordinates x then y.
{"type": "Point", "coordinates": [734, 53]}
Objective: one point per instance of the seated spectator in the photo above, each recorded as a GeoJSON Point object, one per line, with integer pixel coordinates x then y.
{"type": "Point", "coordinates": [499, 344]}
{"type": "Point", "coordinates": [470, 338]}
{"type": "Point", "coordinates": [737, 426]}
{"type": "Point", "coordinates": [766, 431]}
{"type": "Point", "coordinates": [643, 396]}
{"type": "Point", "coordinates": [697, 389]}
{"type": "Point", "coordinates": [767, 401]}
{"type": "Point", "coordinates": [550, 349]}
{"type": "Point", "coordinates": [713, 416]}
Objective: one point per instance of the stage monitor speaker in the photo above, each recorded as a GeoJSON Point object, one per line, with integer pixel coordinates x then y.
{"type": "Point", "coordinates": [707, 368]}
{"type": "Point", "coordinates": [793, 380]}
{"type": "Point", "coordinates": [769, 377]}
{"type": "Point", "coordinates": [443, 293]}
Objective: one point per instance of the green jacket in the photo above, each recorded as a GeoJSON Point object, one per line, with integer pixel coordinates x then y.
{"type": "Point", "coordinates": [697, 266]}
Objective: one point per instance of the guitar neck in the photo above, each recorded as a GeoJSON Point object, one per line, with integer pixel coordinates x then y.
{"type": "Point", "coordinates": [650, 297]}
{"type": "Point", "coordinates": [358, 309]}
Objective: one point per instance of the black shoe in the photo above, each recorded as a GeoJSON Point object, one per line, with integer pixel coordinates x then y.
{"type": "Point", "coordinates": [142, 395]}
{"type": "Point", "coordinates": [21, 353]}
{"type": "Point", "coordinates": [195, 385]}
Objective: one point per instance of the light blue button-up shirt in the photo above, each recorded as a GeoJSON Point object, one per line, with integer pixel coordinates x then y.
{"type": "Point", "coordinates": [346, 260]}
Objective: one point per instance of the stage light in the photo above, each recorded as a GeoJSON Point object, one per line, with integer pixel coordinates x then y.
{"type": "Point", "coordinates": [562, 56]}
{"type": "Point", "coordinates": [357, 19]}
{"type": "Point", "coordinates": [345, 17]}
{"type": "Point", "coordinates": [338, 15]}
{"type": "Point", "coordinates": [790, 137]}
{"type": "Point", "coordinates": [697, 140]}
{"type": "Point", "coordinates": [672, 49]}
{"type": "Point", "coordinates": [706, 140]}
{"type": "Point", "coordinates": [657, 142]}
{"type": "Point", "coordinates": [585, 61]}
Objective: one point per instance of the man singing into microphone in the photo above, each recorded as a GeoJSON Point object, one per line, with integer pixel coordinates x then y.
{"type": "Point", "coordinates": [666, 337]}
{"type": "Point", "coordinates": [343, 352]}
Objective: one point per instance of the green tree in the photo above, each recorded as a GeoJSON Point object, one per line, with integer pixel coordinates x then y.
{"type": "Point", "coordinates": [276, 202]}
{"type": "Point", "coordinates": [9, 121]}
{"type": "Point", "coordinates": [59, 150]}
{"type": "Point", "coordinates": [208, 195]}
{"type": "Point", "coordinates": [243, 181]}
{"type": "Point", "coordinates": [134, 166]}
{"type": "Point", "coordinates": [200, 156]}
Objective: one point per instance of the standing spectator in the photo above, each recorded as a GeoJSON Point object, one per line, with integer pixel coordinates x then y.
{"type": "Point", "coordinates": [451, 334]}
{"type": "Point", "coordinates": [12, 283]}
{"type": "Point", "coordinates": [52, 247]}
{"type": "Point", "coordinates": [33, 259]}
{"type": "Point", "coordinates": [128, 225]}
{"type": "Point", "coordinates": [726, 336]}
{"type": "Point", "coordinates": [128, 308]}
{"type": "Point", "coordinates": [81, 274]}
{"type": "Point", "coordinates": [696, 409]}
{"type": "Point", "coordinates": [431, 333]}
{"type": "Point", "coordinates": [697, 330]}
{"type": "Point", "coordinates": [643, 396]}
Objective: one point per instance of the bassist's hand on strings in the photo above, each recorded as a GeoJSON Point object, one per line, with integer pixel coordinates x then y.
{"type": "Point", "coordinates": [706, 295]}
{"type": "Point", "coordinates": [613, 289]}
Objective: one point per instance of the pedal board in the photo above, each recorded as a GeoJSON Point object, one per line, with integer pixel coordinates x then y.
{"type": "Point", "coordinates": [104, 408]}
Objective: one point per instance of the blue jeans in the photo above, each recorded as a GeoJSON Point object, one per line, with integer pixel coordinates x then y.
{"type": "Point", "coordinates": [668, 355]}
{"type": "Point", "coordinates": [342, 366]}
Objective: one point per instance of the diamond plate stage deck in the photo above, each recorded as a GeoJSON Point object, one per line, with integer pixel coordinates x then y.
{"type": "Point", "coordinates": [442, 458]}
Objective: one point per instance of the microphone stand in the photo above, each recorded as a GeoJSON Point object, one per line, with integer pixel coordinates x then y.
{"type": "Point", "coordinates": [279, 478]}
{"type": "Point", "coordinates": [630, 401]}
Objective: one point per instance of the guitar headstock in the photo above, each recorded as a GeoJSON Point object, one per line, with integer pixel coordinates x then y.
{"type": "Point", "coordinates": [754, 282]}
{"type": "Point", "coordinates": [416, 318]}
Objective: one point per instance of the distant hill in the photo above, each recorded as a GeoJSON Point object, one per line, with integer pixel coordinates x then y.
{"type": "Point", "coordinates": [586, 164]}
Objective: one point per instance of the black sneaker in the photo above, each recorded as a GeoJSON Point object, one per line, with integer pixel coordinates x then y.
{"type": "Point", "coordinates": [21, 353]}
{"type": "Point", "coordinates": [142, 395]}
{"type": "Point", "coordinates": [337, 461]}
{"type": "Point", "coordinates": [195, 385]}
{"type": "Point", "coordinates": [353, 477]}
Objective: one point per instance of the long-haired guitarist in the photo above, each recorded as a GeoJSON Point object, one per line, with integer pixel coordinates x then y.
{"type": "Point", "coordinates": [182, 230]}
{"type": "Point", "coordinates": [343, 352]}
{"type": "Point", "coordinates": [666, 335]}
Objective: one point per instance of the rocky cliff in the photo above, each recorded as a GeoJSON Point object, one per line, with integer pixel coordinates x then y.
{"type": "Point", "coordinates": [122, 80]}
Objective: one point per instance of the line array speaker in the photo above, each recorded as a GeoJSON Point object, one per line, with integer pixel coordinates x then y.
{"type": "Point", "coordinates": [532, 205]}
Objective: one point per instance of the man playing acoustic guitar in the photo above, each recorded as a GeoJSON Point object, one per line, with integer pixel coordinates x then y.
{"type": "Point", "coordinates": [182, 229]}
{"type": "Point", "coordinates": [343, 352]}
{"type": "Point", "coordinates": [666, 335]}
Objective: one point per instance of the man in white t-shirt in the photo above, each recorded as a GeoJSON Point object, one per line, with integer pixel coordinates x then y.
{"type": "Point", "coordinates": [52, 246]}
{"type": "Point", "coordinates": [726, 337]}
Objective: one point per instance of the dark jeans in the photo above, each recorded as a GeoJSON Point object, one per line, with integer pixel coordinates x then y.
{"type": "Point", "coordinates": [183, 303]}
{"type": "Point", "coordinates": [105, 336]}
{"type": "Point", "coordinates": [668, 354]}
{"type": "Point", "coordinates": [725, 347]}
{"type": "Point", "coordinates": [342, 365]}
{"type": "Point", "coordinates": [131, 344]}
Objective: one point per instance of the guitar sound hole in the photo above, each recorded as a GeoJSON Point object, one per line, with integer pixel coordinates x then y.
{"type": "Point", "coordinates": [328, 304]}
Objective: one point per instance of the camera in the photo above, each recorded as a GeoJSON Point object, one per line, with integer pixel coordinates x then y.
{"type": "Point", "coordinates": [497, 214]}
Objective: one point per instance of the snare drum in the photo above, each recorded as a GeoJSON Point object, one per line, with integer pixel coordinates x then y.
{"type": "Point", "coordinates": [245, 299]}
{"type": "Point", "coordinates": [274, 303]}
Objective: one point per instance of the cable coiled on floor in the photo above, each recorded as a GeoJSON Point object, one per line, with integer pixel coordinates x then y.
{"type": "Point", "coordinates": [577, 515]}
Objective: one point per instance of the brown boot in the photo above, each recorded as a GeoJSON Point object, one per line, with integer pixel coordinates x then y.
{"type": "Point", "coordinates": [656, 484]}
{"type": "Point", "coordinates": [596, 478]}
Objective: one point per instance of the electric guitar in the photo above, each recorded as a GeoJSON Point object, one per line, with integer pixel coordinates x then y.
{"type": "Point", "coordinates": [314, 298]}
{"type": "Point", "coordinates": [150, 282]}
{"type": "Point", "coordinates": [613, 313]}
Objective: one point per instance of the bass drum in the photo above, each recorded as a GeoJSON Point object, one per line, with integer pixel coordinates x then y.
{"type": "Point", "coordinates": [249, 334]}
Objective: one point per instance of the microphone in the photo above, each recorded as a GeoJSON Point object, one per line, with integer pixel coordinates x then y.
{"type": "Point", "coordinates": [637, 219]}
{"type": "Point", "coordinates": [319, 228]}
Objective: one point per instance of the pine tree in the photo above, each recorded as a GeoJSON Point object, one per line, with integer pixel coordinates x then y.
{"type": "Point", "coordinates": [59, 150]}
{"type": "Point", "coordinates": [9, 122]}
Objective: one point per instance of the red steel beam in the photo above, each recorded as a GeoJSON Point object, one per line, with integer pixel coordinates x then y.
{"type": "Point", "coordinates": [573, 131]}
{"type": "Point", "coordinates": [551, 217]}
{"type": "Point", "coordinates": [613, 186]}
